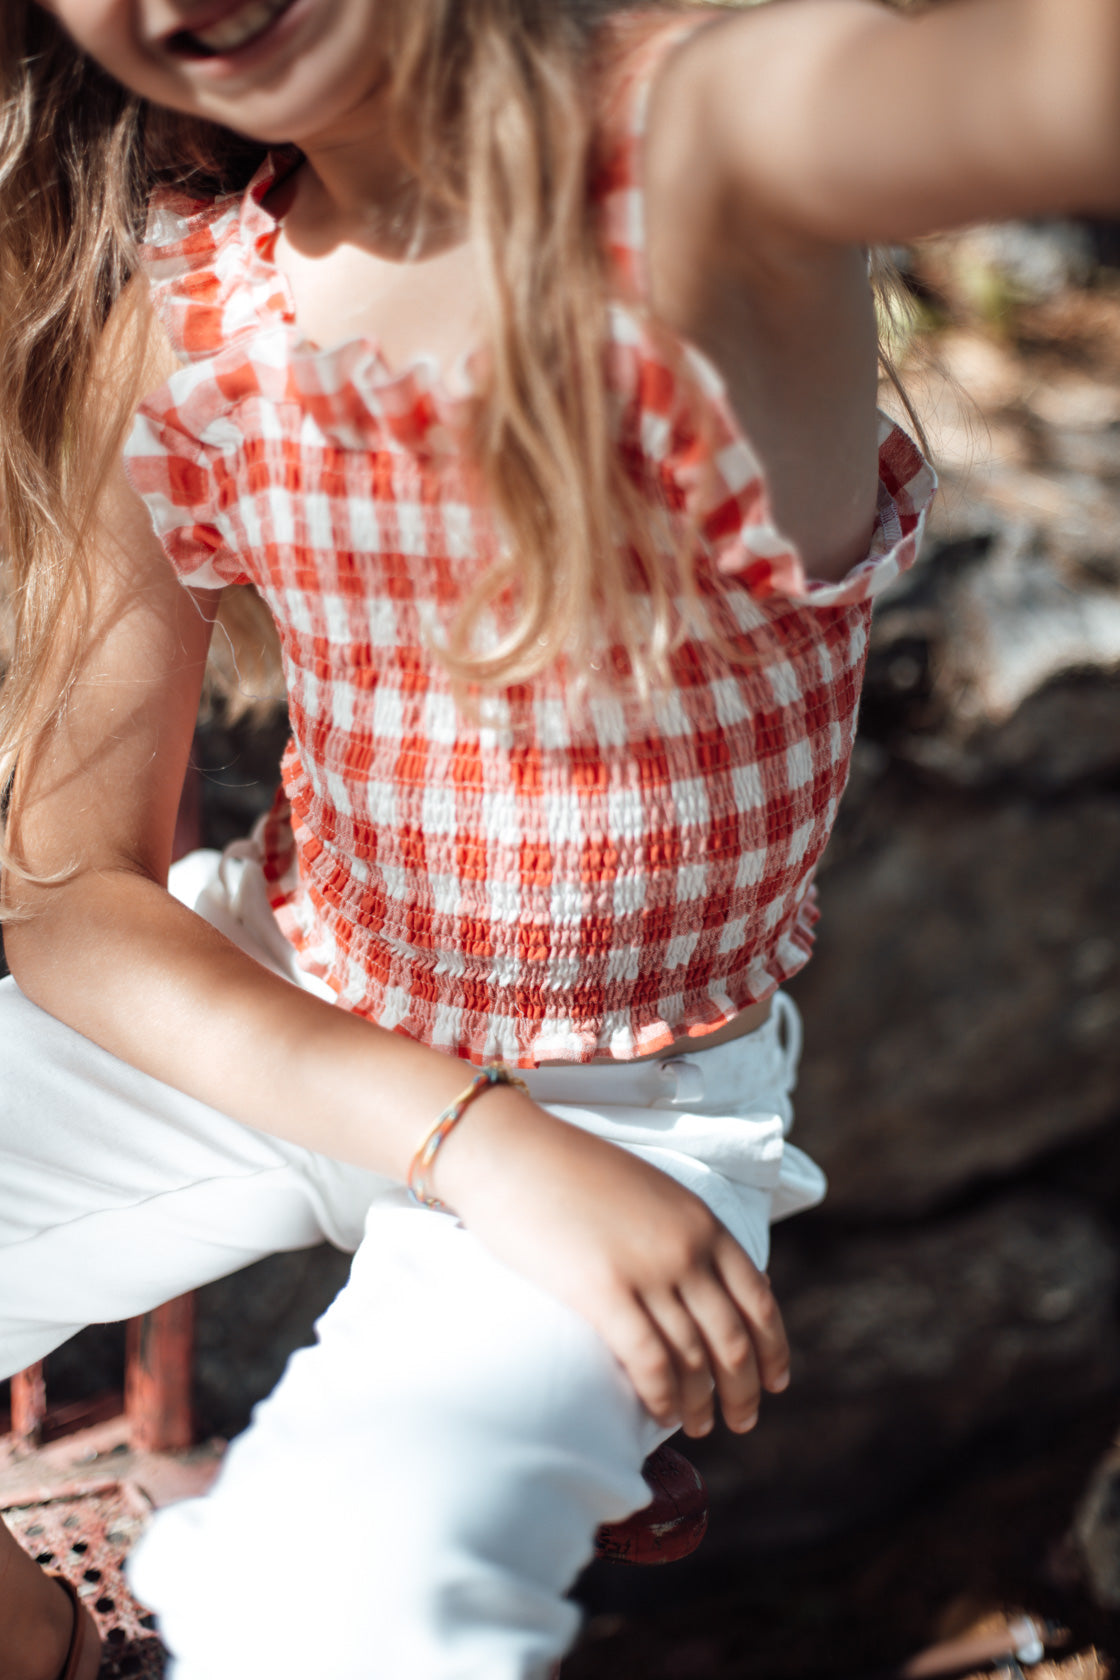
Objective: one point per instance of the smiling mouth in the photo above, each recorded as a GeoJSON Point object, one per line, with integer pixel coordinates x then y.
{"type": "Point", "coordinates": [239, 29]}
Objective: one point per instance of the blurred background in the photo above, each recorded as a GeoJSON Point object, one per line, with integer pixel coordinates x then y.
{"type": "Point", "coordinates": [946, 1449]}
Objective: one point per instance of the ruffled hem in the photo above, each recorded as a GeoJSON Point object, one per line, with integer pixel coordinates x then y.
{"type": "Point", "coordinates": [509, 1024]}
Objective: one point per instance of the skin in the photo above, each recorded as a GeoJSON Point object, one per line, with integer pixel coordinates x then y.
{"type": "Point", "coordinates": [758, 209]}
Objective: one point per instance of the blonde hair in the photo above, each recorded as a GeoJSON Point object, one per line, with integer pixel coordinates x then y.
{"type": "Point", "coordinates": [490, 105]}
{"type": "Point", "coordinates": [79, 158]}
{"type": "Point", "coordinates": [509, 76]}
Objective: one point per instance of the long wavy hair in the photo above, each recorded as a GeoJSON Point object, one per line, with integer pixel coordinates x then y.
{"type": "Point", "coordinates": [489, 103]}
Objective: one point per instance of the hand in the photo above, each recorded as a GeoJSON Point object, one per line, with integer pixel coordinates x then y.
{"type": "Point", "coordinates": [686, 1313]}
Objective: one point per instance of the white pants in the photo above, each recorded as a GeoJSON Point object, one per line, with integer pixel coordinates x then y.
{"type": "Point", "coordinates": [415, 1498]}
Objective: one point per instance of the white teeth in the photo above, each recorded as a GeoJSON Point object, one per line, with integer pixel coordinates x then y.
{"type": "Point", "coordinates": [233, 32]}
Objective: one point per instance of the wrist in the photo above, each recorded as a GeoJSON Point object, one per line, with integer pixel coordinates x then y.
{"type": "Point", "coordinates": [420, 1171]}
{"type": "Point", "coordinates": [465, 1164]}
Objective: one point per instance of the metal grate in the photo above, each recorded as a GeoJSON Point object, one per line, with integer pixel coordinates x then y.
{"type": "Point", "coordinates": [86, 1536]}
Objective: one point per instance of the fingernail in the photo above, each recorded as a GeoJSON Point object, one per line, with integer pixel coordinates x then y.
{"type": "Point", "coordinates": [705, 1428]}
{"type": "Point", "coordinates": [747, 1424]}
{"type": "Point", "coordinates": [780, 1383]}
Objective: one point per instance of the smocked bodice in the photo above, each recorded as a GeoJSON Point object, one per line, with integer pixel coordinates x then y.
{"type": "Point", "coordinates": [553, 878]}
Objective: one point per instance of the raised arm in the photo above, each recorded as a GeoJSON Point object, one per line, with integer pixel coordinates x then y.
{"type": "Point", "coordinates": [850, 122]}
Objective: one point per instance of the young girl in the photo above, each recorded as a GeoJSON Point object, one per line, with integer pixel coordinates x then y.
{"type": "Point", "coordinates": [522, 354]}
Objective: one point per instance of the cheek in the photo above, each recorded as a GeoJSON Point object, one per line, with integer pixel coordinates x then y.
{"type": "Point", "coordinates": [104, 30]}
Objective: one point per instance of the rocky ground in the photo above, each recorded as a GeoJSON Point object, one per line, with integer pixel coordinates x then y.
{"type": "Point", "coordinates": [944, 1450]}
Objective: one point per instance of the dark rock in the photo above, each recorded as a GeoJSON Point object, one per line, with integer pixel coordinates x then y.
{"type": "Point", "coordinates": [1096, 1533]}
{"type": "Point", "coordinates": [237, 759]}
{"type": "Point", "coordinates": [906, 1343]}
{"type": "Point", "coordinates": [963, 1008]}
{"type": "Point", "coordinates": [999, 659]}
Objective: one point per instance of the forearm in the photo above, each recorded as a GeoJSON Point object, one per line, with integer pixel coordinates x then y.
{"type": "Point", "coordinates": [848, 122]}
{"type": "Point", "coordinates": [117, 958]}
{"type": "Point", "coordinates": [1067, 62]}
{"type": "Point", "coordinates": [1025, 94]}
{"type": "Point", "coordinates": [1014, 106]}
{"type": "Point", "coordinates": [672, 1294]}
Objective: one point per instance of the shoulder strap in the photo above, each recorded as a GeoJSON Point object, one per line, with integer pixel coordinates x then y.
{"type": "Point", "coordinates": [633, 50]}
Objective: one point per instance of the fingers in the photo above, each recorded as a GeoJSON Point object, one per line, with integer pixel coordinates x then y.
{"type": "Point", "coordinates": [750, 1290]}
{"type": "Point", "coordinates": [694, 1380]}
{"type": "Point", "coordinates": [731, 1350]}
{"type": "Point", "coordinates": [709, 1329]}
{"type": "Point", "coordinates": [685, 1349]}
{"type": "Point", "coordinates": [644, 1354]}
{"type": "Point", "coordinates": [726, 1334]}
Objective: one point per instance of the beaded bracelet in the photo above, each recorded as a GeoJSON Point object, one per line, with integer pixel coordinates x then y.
{"type": "Point", "coordinates": [496, 1073]}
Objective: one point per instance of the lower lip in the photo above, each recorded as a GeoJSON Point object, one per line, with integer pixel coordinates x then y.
{"type": "Point", "coordinates": [226, 66]}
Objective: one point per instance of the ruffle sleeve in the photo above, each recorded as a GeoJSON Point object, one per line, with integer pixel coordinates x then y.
{"type": "Point", "coordinates": [179, 454]}
{"type": "Point", "coordinates": [719, 480]}
{"type": "Point", "coordinates": [749, 547]}
{"type": "Point", "coordinates": [673, 414]}
{"type": "Point", "coordinates": [179, 478]}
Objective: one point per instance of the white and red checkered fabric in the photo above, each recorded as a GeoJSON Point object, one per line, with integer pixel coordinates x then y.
{"type": "Point", "coordinates": [551, 880]}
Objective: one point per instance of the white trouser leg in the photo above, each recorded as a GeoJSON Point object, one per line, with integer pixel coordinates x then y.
{"type": "Point", "coordinates": [414, 1500]}
{"type": "Point", "coordinates": [421, 1489]}
{"type": "Point", "coordinates": [116, 1192]}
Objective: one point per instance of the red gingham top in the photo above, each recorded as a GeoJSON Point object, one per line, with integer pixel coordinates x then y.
{"type": "Point", "coordinates": [550, 881]}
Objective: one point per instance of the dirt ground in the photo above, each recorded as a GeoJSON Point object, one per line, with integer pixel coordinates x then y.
{"type": "Point", "coordinates": [990, 1536]}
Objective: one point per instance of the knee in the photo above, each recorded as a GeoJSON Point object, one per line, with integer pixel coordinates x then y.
{"type": "Point", "coordinates": [434, 1469]}
{"type": "Point", "coordinates": [436, 1466]}
{"type": "Point", "coordinates": [399, 1561]}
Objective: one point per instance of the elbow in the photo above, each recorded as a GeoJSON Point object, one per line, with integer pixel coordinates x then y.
{"type": "Point", "coordinates": [30, 932]}
{"type": "Point", "coordinates": [49, 920]}
{"type": "Point", "coordinates": [23, 952]}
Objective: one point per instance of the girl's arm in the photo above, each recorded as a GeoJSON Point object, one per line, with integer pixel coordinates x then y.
{"type": "Point", "coordinates": [849, 122]}
{"type": "Point", "coordinates": [784, 140]}
{"type": "Point", "coordinates": [113, 955]}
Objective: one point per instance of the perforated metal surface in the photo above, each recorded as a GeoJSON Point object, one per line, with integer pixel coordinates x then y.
{"type": "Point", "coordinates": [64, 1509]}
{"type": "Point", "coordinates": [86, 1536]}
